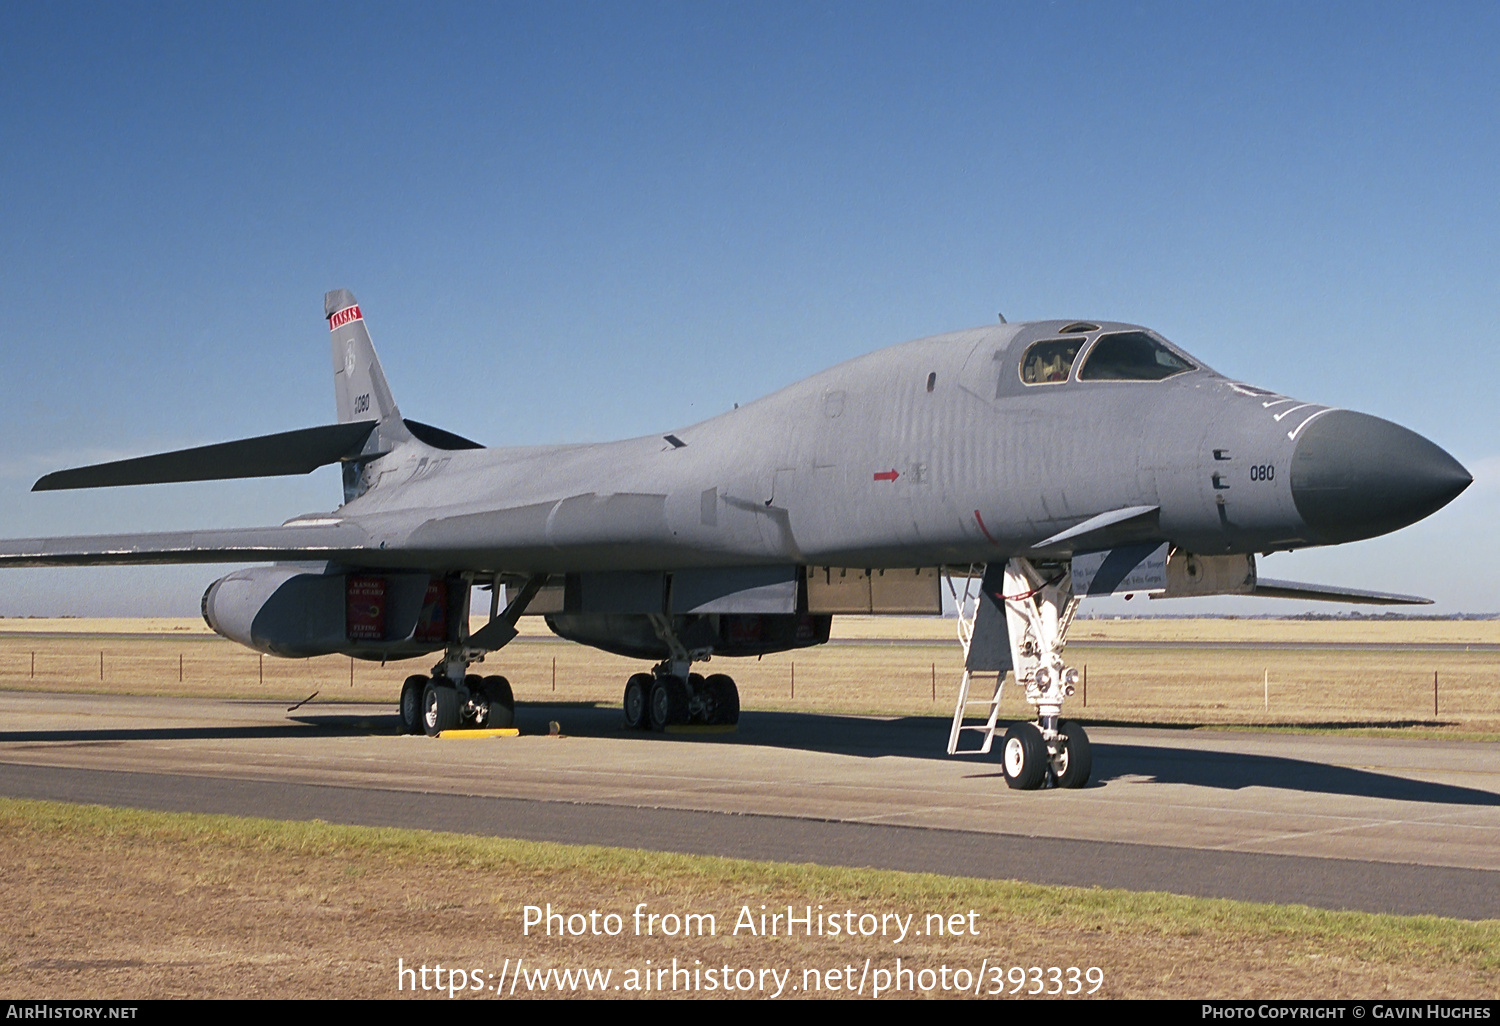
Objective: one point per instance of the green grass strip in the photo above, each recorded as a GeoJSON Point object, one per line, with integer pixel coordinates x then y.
{"type": "Point", "coordinates": [1369, 937]}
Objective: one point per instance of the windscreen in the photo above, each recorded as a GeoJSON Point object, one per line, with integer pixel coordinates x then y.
{"type": "Point", "coordinates": [1131, 356]}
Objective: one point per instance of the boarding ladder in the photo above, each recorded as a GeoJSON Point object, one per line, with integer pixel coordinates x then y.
{"type": "Point", "coordinates": [968, 612]}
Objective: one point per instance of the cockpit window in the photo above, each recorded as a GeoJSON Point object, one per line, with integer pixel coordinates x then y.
{"type": "Point", "coordinates": [1131, 356]}
{"type": "Point", "coordinates": [1050, 361]}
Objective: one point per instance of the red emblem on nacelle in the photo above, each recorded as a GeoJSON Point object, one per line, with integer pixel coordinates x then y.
{"type": "Point", "coordinates": [887, 475]}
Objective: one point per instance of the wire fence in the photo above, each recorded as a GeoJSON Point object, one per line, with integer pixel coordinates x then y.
{"type": "Point", "coordinates": [1238, 684]}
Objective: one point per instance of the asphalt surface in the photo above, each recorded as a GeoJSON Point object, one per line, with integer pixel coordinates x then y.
{"type": "Point", "coordinates": [1334, 822]}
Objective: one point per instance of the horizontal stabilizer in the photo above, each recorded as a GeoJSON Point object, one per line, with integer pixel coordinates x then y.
{"type": "Point", "coordinates": [289, 452]}
{"type": "Point", "coordinates": [1324, 593]}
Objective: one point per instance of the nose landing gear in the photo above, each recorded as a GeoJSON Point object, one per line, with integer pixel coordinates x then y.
{"type": "Point", "coordinates": [1038, 606]}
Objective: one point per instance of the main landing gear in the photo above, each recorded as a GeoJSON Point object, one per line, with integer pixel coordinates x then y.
{"type": "Point", "coordinates": [431, 705]}
{"type": "Point", "coordinates": [451, 697]}
{"type": "Point", "coordinates": [668, 697]}
{"type": "Point", "coordinates": [672, 695]}
{"type": "Point", "coordinates": [1038, 605]}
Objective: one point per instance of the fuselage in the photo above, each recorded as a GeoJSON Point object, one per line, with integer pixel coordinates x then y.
{"type": "Point", "coordinates": [957, 449]}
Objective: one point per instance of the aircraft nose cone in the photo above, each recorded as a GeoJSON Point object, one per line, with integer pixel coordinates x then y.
{"type": "Point", "coordinates": [1356, 476]}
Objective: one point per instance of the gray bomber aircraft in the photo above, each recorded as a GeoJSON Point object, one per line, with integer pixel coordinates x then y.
{"type": "Point", "coordinates": [1034, 463]}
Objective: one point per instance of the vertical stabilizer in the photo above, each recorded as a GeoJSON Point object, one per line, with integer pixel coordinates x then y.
{"type": "Point", "coordinates": [358, 382]}
{"type": "Point", "coordinates": [360, 389]}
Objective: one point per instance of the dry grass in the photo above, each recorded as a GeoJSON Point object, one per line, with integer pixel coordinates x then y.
{"type": "Point", "coordinates": [914, 674]}
{"type": "Point", "coordinates": [103, 903]}
{"type": "Point", "coordinates": [121, 904]}
{"type": "Point", "coordinates": [1283, 632]}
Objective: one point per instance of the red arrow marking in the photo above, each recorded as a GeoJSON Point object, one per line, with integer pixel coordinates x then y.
{"type": "Point", "coordinates": [887, 475]}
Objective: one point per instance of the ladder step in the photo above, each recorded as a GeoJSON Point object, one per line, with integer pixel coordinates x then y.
{"type": "Point", "coordinates": [991, 714]}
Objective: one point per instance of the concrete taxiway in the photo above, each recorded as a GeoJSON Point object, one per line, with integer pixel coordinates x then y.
{"type": "Point", "coordinates": [1374, 824]}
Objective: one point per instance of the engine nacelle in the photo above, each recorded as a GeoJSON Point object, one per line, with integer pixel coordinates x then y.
{"type": "Point", "coordinates": [294, 612]}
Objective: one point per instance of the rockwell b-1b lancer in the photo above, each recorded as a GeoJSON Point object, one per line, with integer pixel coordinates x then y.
{"type": "Point", "coordinates": [1035, 463]}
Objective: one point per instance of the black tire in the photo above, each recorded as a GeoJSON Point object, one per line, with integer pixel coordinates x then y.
{"type": "Point", "coordinates": [411, 704]}
{"type": "Point", "coordinates": [1023, 757]}
{"type": "Point", "coordinates": [637, 702]}
{"type": "Point", "coordinates": [721, 700]}
{"type": "Point", "coordinates": [439, 707]}
{"type": "Point", "coordinates": [698, 703]}
{"type": "Point", "coordinates": [500, 701]}
{"type": "Point", "coordinates": [669, 702]}
{"type": "Point", "coordinates": [1075, 756]}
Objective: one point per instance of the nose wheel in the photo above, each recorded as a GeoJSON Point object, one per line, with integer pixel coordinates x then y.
{"type": "Point", "coordinates": [1073, 756]}
{"type": "Point", "coordinates": [1030, 760]}
{"type": "Point", "coordinates": [1024, 757]}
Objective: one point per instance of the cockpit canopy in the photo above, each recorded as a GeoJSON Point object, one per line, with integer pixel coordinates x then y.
{"type": "Point", "coordinates": [1114, 356]}
{"type": "Point", "coordinates": [1050, 361]}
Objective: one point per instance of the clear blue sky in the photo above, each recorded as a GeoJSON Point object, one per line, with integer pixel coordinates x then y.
{"type": "Point", "coordinates": [576, 222]}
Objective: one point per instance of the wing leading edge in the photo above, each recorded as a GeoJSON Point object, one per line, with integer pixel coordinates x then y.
{"type": "Point", "coordinates": [308, 540]}
{"type": "Point", "coordinates": [1332, 593]}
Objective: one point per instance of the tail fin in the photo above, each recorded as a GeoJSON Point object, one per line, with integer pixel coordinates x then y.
{"type": "Point", "coordinates": [359, 384]}
{"type": "Point", "coordinates": [360, 389]}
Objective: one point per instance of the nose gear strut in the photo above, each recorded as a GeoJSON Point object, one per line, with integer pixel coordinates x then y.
{"type": "Point", "coordinates": [1038, 604]}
